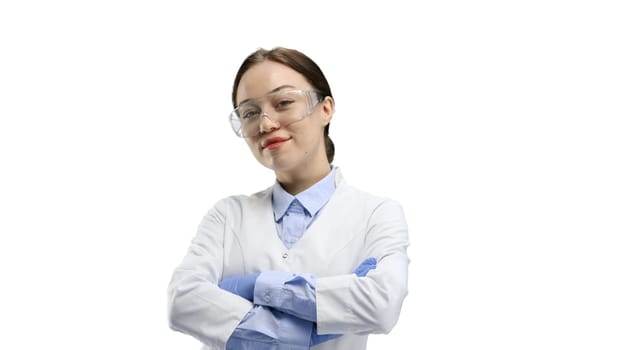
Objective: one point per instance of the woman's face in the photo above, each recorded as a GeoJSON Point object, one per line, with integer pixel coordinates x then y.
{"type": "Point", "coordinates": [297, 147]}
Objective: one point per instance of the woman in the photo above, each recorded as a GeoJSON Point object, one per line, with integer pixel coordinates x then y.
{"type": "Point", "coordinates": [308, 262]}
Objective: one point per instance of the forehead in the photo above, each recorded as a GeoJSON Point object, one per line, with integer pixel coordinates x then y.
{"type": "Point", "coordinates": [266, 76]}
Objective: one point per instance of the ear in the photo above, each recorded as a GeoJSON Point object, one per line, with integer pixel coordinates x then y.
{"type": "Point", "coordinates": [328, 108]}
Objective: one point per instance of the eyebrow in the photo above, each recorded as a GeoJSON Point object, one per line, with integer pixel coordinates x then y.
{"type": "Point", "coordinates": [271, 91]}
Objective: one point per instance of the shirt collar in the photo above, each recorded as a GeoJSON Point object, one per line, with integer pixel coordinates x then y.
{"type": "Point", "coordinates": [312, 199]}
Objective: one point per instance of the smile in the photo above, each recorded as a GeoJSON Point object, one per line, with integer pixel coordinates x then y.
{"type": "Point", "coordinates": [274, 142]}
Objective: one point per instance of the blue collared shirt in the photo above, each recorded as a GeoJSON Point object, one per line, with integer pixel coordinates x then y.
{"type": "Point", "coordinates": [281, 291]}
{"type": "Point", "coordinates": [294, 214]}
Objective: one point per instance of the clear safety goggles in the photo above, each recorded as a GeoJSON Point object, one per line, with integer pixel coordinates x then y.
{"type": "Point", "coordinates": [285, 107]}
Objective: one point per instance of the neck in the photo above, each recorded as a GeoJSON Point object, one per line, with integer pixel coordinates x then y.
{"type": "Point", "coordinates": [297, 181]}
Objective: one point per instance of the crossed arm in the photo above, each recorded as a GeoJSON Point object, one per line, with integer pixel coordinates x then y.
{"type": "Point", "coordinates": [284, 308]}
{"type": "Point", "coordinates": [200, 308]}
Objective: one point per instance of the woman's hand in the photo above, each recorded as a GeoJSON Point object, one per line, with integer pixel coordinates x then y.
{"type": "Point", "coordinates": [242, 285]}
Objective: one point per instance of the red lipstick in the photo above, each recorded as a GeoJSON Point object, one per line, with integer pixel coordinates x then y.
{"type": "Point", "coordinates": [273, 142]}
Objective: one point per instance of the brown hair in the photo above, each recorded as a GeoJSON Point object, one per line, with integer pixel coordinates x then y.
{"type": "Point", "coordinates": [299, 62]}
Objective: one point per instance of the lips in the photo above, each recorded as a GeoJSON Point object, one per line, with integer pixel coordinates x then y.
{"type": "Point", "coordinates": [273, 142]}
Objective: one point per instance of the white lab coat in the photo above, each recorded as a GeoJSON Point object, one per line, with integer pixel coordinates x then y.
{"type": "Point", "coordinates": [238, 236]}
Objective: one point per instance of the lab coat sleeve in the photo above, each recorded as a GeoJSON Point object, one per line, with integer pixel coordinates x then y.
{"type": "Point", "coordinates": [196, 305]}
{"type": "Point", "coordinates": [371, 304]}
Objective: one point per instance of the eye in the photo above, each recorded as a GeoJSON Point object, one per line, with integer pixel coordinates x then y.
{"type": "Point", "coordinates": [284, 103]}
{"type": "Point", "coordinates": [250, 115]}
{"type": "Point", "coordinates": [250, 112]}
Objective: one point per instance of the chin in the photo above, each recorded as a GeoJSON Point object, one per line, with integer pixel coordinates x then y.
{"type": "Point", "coordinates": [279, 163]}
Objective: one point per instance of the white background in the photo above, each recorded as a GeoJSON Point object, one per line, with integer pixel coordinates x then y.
{"type": "Point", "coordinates": [496, 124]}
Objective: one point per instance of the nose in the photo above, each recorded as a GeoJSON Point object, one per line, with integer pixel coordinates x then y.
{"type": "Point", "coordinates": [267, 124]}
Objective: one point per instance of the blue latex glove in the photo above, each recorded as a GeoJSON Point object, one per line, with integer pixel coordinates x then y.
{"type": "Point", "coordinates": [366, 266]}
{"type": "Point", "coordinates": [242, 285]}
{"type": "Point", "coordinates": [361, 271]}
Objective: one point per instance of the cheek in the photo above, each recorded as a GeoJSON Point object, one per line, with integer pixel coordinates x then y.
{"type": "Point", "coordinates": [309, 142]}
{"type": "Point", "coordinates": [309, 133]}
{"type": "Point", "coordinates": [253, 146]}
